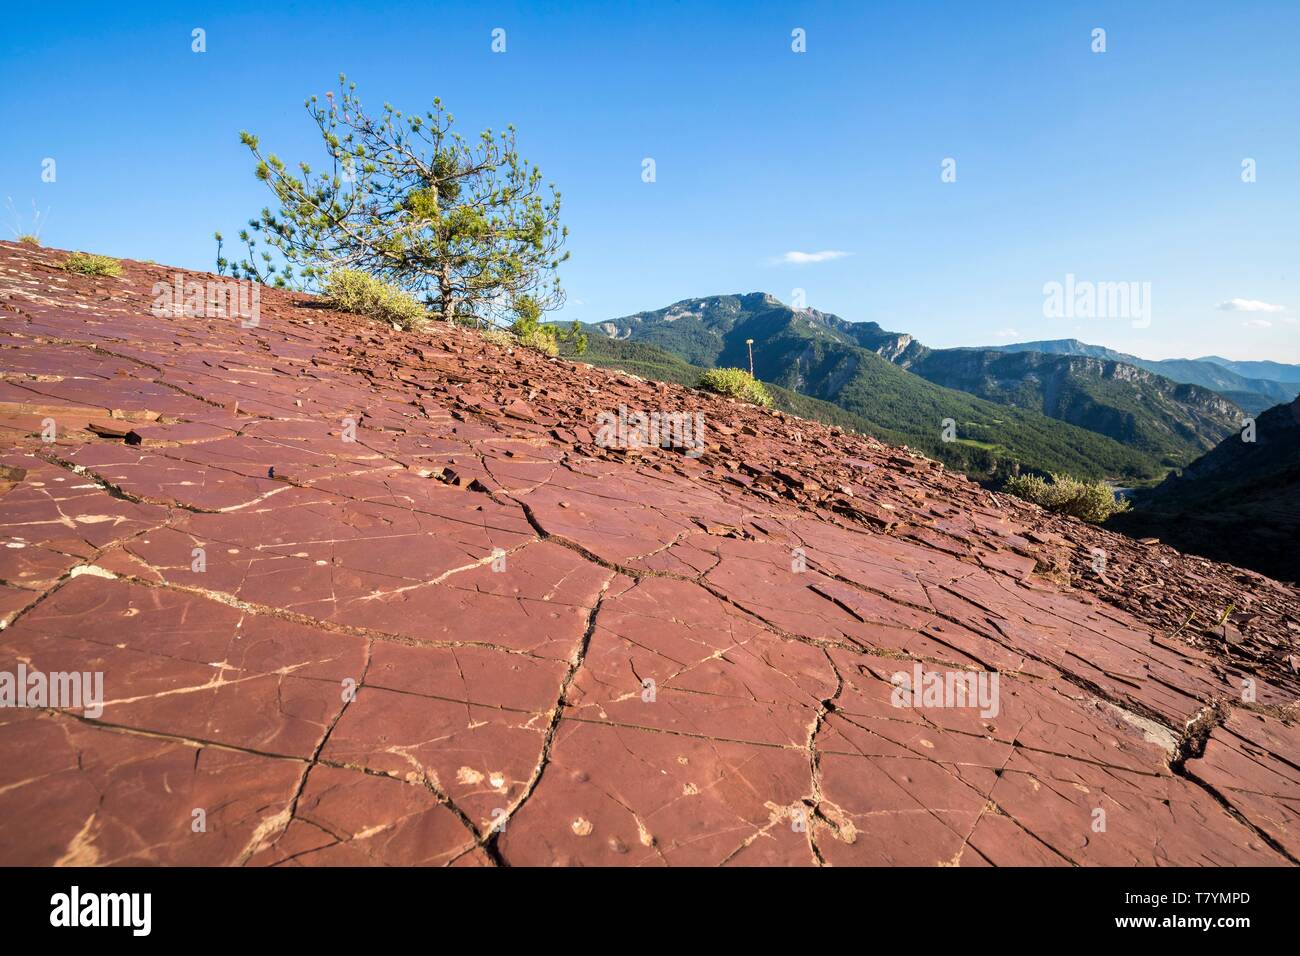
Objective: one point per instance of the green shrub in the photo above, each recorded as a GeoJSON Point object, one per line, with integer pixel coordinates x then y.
{"type": "Point", "coordinates": [88, 264]}
{"type": "Point", "coordinates": [543, 338]}
{"type": "Point", "coordinates": [351, 290]}
{"type": "Point", "coordinates": [1089, 501]}
{"type": "Point", "coordinates": [29, 240]}
{"type": "Point", "coordinates": [737, 383]}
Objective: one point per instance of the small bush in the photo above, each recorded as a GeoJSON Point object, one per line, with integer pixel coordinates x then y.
{"type": "Point", "coordinates": [29, 240]}
{"type": "Point", "coordinates": [500, 337]}
{"type": "Point", "coordinates": [88, 264]}
{"type": "Point", "coordinates": [545, 338]}
{"type": "Point", "coordinates": [351, 290]}
{"type": "Point", "coordinates": [737, 383]}
{"type": "Point", "coordinates": [1089, 501]}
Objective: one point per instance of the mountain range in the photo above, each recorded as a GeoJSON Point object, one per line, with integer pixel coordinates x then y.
{"type": "Point", "coordinates": [825, 358]}
{"type": "Point", "coordinates": [1060, 405]}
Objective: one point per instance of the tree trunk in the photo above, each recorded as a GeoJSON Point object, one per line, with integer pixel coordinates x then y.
{"type": "Point", "coordinates": [448, 296]}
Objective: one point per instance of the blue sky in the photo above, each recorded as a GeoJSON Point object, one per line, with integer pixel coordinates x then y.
{"type": "Point", "coordinates": [1115, 166]}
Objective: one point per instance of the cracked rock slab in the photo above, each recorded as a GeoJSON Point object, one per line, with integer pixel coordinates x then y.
{"type": "Point", "coordinates": [361, 597]}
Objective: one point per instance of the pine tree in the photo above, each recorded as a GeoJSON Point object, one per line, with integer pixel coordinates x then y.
{"type": "Point", "coordinates": [466, 226]}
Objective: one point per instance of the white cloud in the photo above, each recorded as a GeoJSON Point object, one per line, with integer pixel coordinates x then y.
{"type": "Point", "coordinates": [797, 258]}
{"type": "Point", "coordinates": [1006, 333]}
{"type": "Point", "coordinates": [1257, 324]}
{"type": "Point", "coordinates": [1249, 305]}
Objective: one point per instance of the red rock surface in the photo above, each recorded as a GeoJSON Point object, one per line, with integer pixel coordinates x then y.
{"type": "Point", "coordinates": [498, 588]}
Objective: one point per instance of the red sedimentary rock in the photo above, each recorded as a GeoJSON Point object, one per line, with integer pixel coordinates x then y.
{"type": "Point", "coordinates": [361, 596]}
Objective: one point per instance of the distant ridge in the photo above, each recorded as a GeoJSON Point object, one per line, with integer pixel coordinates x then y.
{"type": "Point", "coordinates": [1254, 386]}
